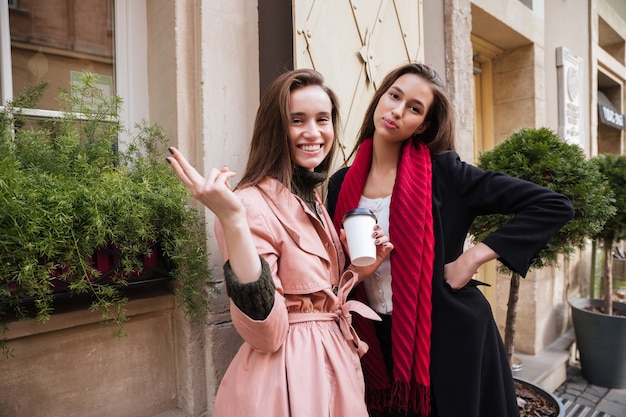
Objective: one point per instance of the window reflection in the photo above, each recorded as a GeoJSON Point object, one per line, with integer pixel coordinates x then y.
{"type": "Point", "coordinates": [54, 40]}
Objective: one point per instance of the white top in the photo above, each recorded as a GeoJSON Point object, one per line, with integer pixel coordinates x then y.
{"type": "Point", "coordinates": [378, 285]}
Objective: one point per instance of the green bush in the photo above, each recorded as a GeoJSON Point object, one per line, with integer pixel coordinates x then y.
{"type": "Point", "coordinates": [540, 156]}
{"type": "Point", "coordinates": [66, 191]}
{"type": "Point", "coordinates": [613, 167]}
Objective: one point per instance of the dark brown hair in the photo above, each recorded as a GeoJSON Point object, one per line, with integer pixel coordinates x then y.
{"type": "Point", "coordinates": [439, 136]}
{"type": "Point", "coordinates": [270, 153]}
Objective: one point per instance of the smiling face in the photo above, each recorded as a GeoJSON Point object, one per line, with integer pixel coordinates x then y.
{"type": "Point", "coordinates": [402, 109]}
{"type": "Point", "coordinates": [311, 131]}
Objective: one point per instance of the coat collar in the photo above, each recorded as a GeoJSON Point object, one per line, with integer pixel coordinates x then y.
{"type": "Point", "coordinates": [287, 208]}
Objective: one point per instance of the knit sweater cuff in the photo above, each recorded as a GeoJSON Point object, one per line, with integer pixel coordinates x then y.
{"type": "Point", "coordinates": [254, 299]}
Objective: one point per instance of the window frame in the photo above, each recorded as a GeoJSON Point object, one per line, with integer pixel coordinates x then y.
{"type": "Point", "coordinates": [130, 64]}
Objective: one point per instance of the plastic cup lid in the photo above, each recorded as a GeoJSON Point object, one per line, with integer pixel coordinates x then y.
{"type": "Point", "coordinates": [359, 211]}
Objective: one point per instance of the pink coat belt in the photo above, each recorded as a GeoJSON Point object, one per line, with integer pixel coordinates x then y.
{"type": "Point", "coordinates": [343, 313]}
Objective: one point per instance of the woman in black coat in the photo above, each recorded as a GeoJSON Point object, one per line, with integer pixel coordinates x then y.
{"type": "Point", "coordinates": [438, 350]}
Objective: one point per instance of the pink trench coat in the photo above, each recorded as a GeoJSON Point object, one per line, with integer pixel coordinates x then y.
{"type": "Point", "coordinates": [303, 359]}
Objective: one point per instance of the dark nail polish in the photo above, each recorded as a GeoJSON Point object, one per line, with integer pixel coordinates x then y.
{"type": "Point", "coordinates": [168, 161]}
{"type": "Point", "coordinates": [170, 149]}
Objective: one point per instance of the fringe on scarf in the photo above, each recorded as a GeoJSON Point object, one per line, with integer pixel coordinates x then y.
{"type": "Point", "coordinates": [398, 397]}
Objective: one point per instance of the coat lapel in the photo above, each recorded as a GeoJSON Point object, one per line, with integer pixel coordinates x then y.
{"type": "Point", "coordinates": [298, 223]}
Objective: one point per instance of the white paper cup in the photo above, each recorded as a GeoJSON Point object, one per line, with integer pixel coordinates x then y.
{"type": "Point", "coordinates": [359, 226]}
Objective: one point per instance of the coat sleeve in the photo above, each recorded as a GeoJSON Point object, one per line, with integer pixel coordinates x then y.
{"type": "Point", "coordinates": [538, 213]}
{"type": "Point", "coordinates": [254, 299]}
{"type": "Point", "coordinates": [266, 334]}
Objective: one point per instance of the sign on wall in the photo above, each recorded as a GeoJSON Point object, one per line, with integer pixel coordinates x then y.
{"type": "Point", "coordinates": [570, 86]}
{"type": "Point", "coordinates": [611, 117]}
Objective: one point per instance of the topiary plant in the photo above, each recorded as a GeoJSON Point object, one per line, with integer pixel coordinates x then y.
{"type": "Point", "coordinates": [77, 215]}
{"type": "Point", "coordinates": [614, 168]}
{"type": "Point", "coordinates": [538, 155]}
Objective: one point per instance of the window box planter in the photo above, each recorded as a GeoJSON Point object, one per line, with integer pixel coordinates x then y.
{"type": "Point", "coordinates": [76, 213]}
{"type": "Point", "coordinates": [107, 262]}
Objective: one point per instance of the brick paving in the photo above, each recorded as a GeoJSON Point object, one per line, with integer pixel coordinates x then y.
{"type": "Point", "coordinates": [582, 399]}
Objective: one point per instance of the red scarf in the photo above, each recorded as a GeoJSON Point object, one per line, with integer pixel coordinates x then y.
{"type": "Point", "coordinates": [411, 231]}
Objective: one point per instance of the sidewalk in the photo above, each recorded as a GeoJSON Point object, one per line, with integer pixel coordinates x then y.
{"type": "Point", "coordinates": [582, 399]}
{"type": "Point", "coordinates": [556, 369]}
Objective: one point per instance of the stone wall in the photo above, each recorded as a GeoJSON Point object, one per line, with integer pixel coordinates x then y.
{"type": "Point", "coordinates": [73, 366]}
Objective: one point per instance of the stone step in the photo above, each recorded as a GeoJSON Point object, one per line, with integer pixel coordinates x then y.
{"type": "Point", "coordinates": [548, 369]}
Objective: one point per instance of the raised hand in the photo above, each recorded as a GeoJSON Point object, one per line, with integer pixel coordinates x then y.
{"type": "Point", "coordinates": [213, 191]}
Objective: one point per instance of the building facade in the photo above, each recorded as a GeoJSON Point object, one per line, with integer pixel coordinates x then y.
{"type": "Point", "coordinates": [197, 67]}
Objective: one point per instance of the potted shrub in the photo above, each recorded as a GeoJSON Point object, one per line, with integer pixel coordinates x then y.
{"type": "Point", "coordinates": [600, 325]}
{"type": "Point", "coordinates": [540, 156]}
{"type": "Point", "coordinates": [78, 216]}
{"type": "Point", "coordinates": [537, 402]}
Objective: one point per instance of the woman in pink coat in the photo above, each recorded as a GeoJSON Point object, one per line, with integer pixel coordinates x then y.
{"type": "Point", "coordinates": [284, 267]}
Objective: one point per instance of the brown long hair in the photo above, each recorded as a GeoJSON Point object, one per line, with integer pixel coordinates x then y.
{"type": "Point", "coordinates": [439, 136]}
{"type": "Point", "coordinates": [270, 153]}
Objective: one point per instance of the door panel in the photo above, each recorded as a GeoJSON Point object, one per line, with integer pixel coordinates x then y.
{"type": "Point", "coordinates": [354, 44]}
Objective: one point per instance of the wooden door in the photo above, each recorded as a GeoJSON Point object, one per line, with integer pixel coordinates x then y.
{"type": "Point", "coordinates": [484, 53]}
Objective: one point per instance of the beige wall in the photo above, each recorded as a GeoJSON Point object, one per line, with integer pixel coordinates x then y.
{"type": "Point", "coordinates": [574, 35]}
{"type": "Point", "coordinates": [204, 91]}
{"type": "Point", "coordinates": [434, 38]}
{"type": "Point", "coordinates": [458, 73]}
{"type": "Point", "coordinates": [72, 366]}
{"type": "Point", "coordinates": [226, 82]}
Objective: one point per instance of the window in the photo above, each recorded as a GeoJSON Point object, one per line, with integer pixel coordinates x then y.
{"type": "Point", "coordinates": [52, 41]}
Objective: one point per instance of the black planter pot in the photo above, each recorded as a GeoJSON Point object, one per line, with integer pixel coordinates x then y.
{"type": "Point", "coordinates": [547, 398]}
{"type": "Point", "coordinates": [601, 342]}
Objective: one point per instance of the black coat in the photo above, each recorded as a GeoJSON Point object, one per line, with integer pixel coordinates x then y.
{"type": "Point", "coordinates": [470, 374]}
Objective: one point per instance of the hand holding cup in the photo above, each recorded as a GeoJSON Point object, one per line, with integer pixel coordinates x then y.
{"type": "Point", "coordinates": [359, 226]}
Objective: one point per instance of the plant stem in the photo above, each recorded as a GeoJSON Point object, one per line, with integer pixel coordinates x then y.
{"type": "Point", "coordinates": [511, 316]}
{"type": "Point", "coordinates": [608, 276]}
